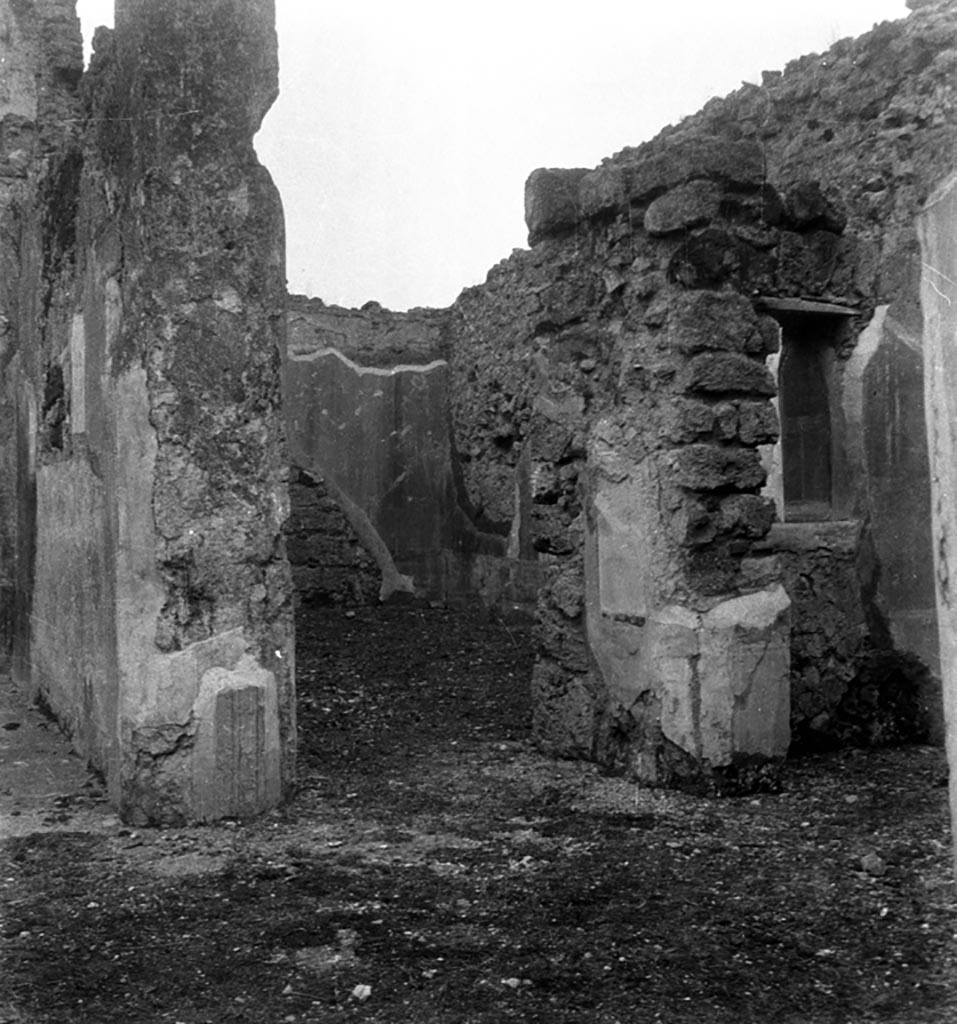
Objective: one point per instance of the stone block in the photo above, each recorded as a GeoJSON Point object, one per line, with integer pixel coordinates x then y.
{"type": "Point", "coordinates": [806, 263]}
{"type": "Point", "coordinates": [552, 202]}
{"type": "Point", "coordinates": [723, 677]}
{"type": "Point", "coordinates": [726, 420]}
{"type": "Point", "coordinates": [702, 321]}
{"type": "Point", "coordinates": [642, 176]}
{"type": "Point", "coordinates": [686, 420]}
{"type": "Point", "coordinates": [758, 423]}
{"type": "Point", "coordinates": [236, 753]}
{"type": "Point", "coordinates": [569, 298]}
{"type": "Point", "coordinates": [748, 514]}
{"type": "Point", "coordinates": [708, 467]}
{"type": "Point", "coordinates": [709, 259]}
{"type": "Point", "coordinates": [552, 428]}
{"type": "Point", "coordinates": [177, 677]}
{"type": "Point", "coordinates": [567, 594]}
{"type": "Point", "coordinates": [744, 672]}
{"type": "Point", "coordinates": [685, 206]}
{"type": "Point", "coordinates": [603, 191]}
{"type": "Point", "coordinates": [772, 207]}
{"type": "Point", "coordinates": [758, 573]}
{"type": "Point", "coordinates": [769, 331]}
{"type": "Point", "coordinates": [738, 163]}
{"type": "Point", "coordinates": [697, 525]}
{"type": "Point", "coordinates": [807, 206]}
{"type": "Point", "coordinates": [727, 372]}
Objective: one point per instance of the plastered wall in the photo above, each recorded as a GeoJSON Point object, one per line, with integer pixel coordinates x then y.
{"type": "Point", "coordinates": [367, 410]}
{"type": "Point", "coordinates": [144, 312]}
{"type": "Point", "coordinates": [938, 236]}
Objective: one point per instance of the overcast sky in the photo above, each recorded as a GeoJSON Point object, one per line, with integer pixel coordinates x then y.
{"type": "Point", "coordinates": [404, 131]}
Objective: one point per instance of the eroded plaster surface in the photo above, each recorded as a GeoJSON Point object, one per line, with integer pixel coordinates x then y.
{"type": "Point", "coordinates": [144, 309]}
{"type": "Point", "coordinates": [938, 235]}
{"type": "Point", "coordinates": [367, 411]}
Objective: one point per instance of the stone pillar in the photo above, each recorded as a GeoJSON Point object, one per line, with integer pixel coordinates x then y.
{"type": "Point", "coordinates": [187, 288]}
{"type": "Point", "coordinates": [663, 627]}
{"type": "Point", "coordinates": [688, 627]}
{"type": "Point", "coordinates": [937, 225]}
{"type": "Point", "coordinates": [145, 352]}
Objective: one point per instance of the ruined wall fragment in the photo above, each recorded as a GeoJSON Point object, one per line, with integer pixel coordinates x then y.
{"type": "Point", "coordinates": [938, 237]}
{"type": "Point", "coordinates": [590, 404]}
{"type": "Point", "coordinates": [329, 563]}
{"type": "Point", "coordinates": [367, 412]}
{"type": "Point", "coordinates": [871, 122]}
{"type": "Point", "coordinates": [151, 261]}
{"type": "Point", "coordinates": [613, 369]}
{"type": "Point", "coordinates": [41, 50]}
{"type": "Point", "coordinates": [614, 397]}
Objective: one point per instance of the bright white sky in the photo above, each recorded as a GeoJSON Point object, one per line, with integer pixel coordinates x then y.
{"type": "Point", "coordinates": [405, 131]}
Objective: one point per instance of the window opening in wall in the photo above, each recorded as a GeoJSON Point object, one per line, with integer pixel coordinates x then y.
{"type": "Point", "coordinates": [805, 411]}
{"type": "Point", "coordinates": [810, 451]}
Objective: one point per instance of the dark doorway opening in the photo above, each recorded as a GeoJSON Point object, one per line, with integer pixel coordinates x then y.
{"type": "Point", "coordinates": [814, 471]}
{"type": "Point", "coordinates": [806, 421]}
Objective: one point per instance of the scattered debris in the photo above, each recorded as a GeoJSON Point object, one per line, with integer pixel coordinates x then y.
{"type": "Point", "coordinates": [433, 866]}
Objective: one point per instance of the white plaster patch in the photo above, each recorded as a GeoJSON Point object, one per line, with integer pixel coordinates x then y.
{"type": "Point", "coordinates": [744, 675]}
{"type": "Point", "coordinates": [176, 677]}
{"type": "Point", "coordinates": [77, 375]}
{"type": "Point", "coordinates": [139, 593]}
{"type": "Point", "coordinates": [228, 300]}
{"type": "Point", "coordinates": [770, 454]}
{"type": "Point", "coordinates": [624, 559]}
{"type": "Point", "coordinates": [239, 199]}
{"type": "Point", "coordinates": [900, 333]}
{"type": "Point", "coordinates": [363, 371]}
{"type": "Point", "coordinates": [868, 343]}
{"type": "Point", "coordinates": [113, 311]}
{"type": "Point", "coordinates": [671, 649]}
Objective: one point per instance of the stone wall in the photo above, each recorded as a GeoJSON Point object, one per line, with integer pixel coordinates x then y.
{"type": "Point", "coordinates": [938, 238]}
{"type": "Point", "coordinates": [329, 563]}
{"type": "Point", "coordinates": [610, 395]}
{"type": "Point", "coordinates": [41, 53]}
{"type": "Point", "coordinates": [615, 394]}
{"type": "Point", "coordinates": [370, 336]}
{"type": "Point", "coordinates": [849, 684]}
{"type": "Point", "coordinates": [610, 400]}
{"type": "Point", "coordinates": [145, 309]}
{"type": "Point", "coordinates": [872, 121]}
{"type": "Point", "coordinates": [366, 402]}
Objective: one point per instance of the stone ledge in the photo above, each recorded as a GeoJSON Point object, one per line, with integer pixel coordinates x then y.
{"type": "Point", "coordinates": [839, 536]}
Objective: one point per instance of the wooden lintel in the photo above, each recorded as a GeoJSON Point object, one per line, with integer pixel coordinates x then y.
{"type": "Point", "coordinates": [803, 306]}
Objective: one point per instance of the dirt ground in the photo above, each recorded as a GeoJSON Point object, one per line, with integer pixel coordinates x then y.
{"type": "Point", "coordinates": [435, 868]}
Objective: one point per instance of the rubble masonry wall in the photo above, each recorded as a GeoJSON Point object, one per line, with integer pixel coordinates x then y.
{"type": "Point", "coordinates": [613, 414]}
{"type": "Point", "coordinates": [614, 374]}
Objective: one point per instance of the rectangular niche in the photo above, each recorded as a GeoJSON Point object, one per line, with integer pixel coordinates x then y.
{"type": "Point", "coordinates": [809, 474]}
